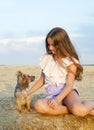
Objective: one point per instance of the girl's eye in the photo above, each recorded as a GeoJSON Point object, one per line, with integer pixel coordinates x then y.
{"type": "Point", "coordinates": [51, 45]}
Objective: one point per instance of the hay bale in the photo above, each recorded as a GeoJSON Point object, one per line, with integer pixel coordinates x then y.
{"type": "Point", "coordinates": [11, 119]}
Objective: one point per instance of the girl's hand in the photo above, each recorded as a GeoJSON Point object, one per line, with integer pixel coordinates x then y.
{"type": "Point", "coordinates": [52, 103]}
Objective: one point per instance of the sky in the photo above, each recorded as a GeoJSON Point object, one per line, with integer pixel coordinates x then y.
{"type": "Point", "coordinates": [24, 25]}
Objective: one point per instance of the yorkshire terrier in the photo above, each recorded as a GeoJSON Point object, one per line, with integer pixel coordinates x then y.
{"type": "Point", "coordinates": [22, 100]}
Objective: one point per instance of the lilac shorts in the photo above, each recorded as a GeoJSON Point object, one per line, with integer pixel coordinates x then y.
{"type": "Point", "coordinates": [54, 90]}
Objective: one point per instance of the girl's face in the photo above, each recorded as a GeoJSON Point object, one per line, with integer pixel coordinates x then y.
{"type": "Point", "coordinates": [51, 46]}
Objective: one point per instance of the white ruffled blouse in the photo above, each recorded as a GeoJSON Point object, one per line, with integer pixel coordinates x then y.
{"type": "Point", "coordinates": [54, 73]}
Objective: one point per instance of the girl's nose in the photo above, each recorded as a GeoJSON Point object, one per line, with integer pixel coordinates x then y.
{"type": "Point", "coordinates": [50, 47]}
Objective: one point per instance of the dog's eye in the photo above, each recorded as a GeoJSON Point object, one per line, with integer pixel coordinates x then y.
{"type": "Point", "coordinates": [28, 76]}
{"type": "Point", "coordinates": [23, 76]}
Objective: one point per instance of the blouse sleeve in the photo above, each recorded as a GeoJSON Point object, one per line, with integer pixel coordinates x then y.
{"type": "Point", "coordinates": [46, 64]}
{"type": "Point", "coordinates": [43, 61]}
{"type": "Point", "coordinates": [68, 62]}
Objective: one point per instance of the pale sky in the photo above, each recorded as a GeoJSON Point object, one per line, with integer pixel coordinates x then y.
{"type": "Point", "coordinates": [24, 25]}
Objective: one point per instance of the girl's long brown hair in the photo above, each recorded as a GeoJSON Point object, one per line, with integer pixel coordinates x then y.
{"type": "Point", "coordinates": [64, 48]}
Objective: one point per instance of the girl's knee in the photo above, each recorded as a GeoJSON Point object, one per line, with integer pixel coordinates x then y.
{"type": "Point", "coordinates": [79, 110]}
{"type": "Point", "coordinates": [40, 106]}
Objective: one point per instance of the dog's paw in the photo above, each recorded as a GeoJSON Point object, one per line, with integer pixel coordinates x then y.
{"type": "Point", "coordinates": [29, 109]}
{"type": "Point", "coordinates": [19, 109]}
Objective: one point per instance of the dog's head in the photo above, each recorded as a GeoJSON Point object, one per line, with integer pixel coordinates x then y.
{"type": "Point", "coordinates": [24, 79]}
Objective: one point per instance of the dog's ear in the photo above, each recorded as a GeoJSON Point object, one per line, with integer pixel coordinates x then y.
{"type": "Point", "coordinates": [19, 73]}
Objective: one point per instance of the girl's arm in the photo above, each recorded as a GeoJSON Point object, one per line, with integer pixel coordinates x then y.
{"type": "Point", "coordinates": [37, 85]}
{"type": "Point", "coordinates": [69, 84]}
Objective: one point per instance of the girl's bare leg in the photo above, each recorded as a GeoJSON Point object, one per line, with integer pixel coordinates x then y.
{"type": "Point", "coordinates": [42, 106]}
{"type": "Point", "coordinates": [89, 104]}
{"type": "Point", "coordinates": [91, 112]}
{"type": "Point", "coordinates": [78, 107]}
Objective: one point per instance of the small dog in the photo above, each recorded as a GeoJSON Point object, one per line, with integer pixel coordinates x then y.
{"type": "Point", "coordinates": [22, 100]}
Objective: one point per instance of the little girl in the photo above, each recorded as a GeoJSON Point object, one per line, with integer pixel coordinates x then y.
{"type": "Point", "coordinates": [60, 68]}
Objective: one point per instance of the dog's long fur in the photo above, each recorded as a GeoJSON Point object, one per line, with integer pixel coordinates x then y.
{"type": "Point", "coordinates": [22, 101]}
